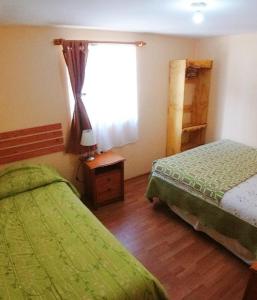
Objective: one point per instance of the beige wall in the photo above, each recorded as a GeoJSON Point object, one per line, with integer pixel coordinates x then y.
{"type": "Point", "coordinates": [33, 89]}
{"type": "Point", "coordinates": [233, 106]}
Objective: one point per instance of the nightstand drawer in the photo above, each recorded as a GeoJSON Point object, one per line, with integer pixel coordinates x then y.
{"type": "Point", "coordinates": [108, 194]}
{"type": "Point", "coordinates": [108, 185]}
{"type": "Point", "coordinates": [108, 179]}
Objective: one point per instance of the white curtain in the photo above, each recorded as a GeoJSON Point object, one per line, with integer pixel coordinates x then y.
{"type": "Point", "coordinates": [111, 94]}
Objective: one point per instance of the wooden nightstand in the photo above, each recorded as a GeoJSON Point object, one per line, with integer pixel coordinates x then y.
{"type": "Point", "coordinates": [104, 179]}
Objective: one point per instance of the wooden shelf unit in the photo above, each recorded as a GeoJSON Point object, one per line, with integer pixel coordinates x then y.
{"type": "Point", "coordinates": [189, 87]}
{"type": "Point", "coordinates": [193, 127]}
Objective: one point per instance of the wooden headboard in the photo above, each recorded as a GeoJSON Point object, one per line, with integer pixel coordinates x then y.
{"type": "Point", "coordinates": [31, 142]}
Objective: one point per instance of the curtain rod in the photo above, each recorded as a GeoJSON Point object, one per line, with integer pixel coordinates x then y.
{"type": "Point", "coordinates": [58, 42]}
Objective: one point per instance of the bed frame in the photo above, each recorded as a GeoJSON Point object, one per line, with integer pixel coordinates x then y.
{"type": "Point", "coordinates": [30, 142]}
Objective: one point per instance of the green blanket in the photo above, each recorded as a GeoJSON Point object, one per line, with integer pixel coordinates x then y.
{"type": "Point", "coordinates": [52, 247]}
{"type": "Point", "coordinates": [196, 180]}
{"type": "Point", "coordinates": [210, 170]}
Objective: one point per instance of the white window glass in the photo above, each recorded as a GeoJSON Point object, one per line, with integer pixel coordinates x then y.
{"type": "Point", "coordinates": [110, 94]}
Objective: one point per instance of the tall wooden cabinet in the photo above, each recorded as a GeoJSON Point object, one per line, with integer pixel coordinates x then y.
{"type": "Point", "coordinates": [189, 87]}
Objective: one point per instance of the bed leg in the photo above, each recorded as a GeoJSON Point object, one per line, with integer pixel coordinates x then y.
{"type": "Point", "coordinates": [151, 200]}
{"type": "Point", "coordinates": [154, 199]}
{"type": "Point", "coordinates": [156, 202]}
{"type": "Point", "coordinates": [251, 289]}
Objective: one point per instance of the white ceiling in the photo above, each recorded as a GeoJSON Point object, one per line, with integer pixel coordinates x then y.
{"type": "Point", "coordinates": [157, 16]}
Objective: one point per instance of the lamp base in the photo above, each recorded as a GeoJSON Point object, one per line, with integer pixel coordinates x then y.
{"type": "Point", "coordinates": [90, 158]}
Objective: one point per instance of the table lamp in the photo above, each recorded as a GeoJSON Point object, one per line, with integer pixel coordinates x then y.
{"type": "Point", "coordinates": [88, 140]}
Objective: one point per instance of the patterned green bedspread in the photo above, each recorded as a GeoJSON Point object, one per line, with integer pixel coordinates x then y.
{"type": "Point", "coordinates": [52, 247]}
{"type": "Point", "coordinates": [210, 170]}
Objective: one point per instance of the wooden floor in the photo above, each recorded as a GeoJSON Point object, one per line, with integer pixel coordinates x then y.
{"type": "Point", "coordinates": [188, 263]}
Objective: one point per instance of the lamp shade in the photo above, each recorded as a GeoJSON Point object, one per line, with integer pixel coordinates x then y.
{"type": "Point", "coordinates": [87, 138]}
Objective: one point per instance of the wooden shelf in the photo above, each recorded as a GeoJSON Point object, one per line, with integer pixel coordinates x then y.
{"type": "Point", "coordinates": [201, 64]}
{"type": "Point", "coordinates": [187, 108]}
{"type": "Point", "coordinates": [191, 79]}
{"type": "Point", "coordinates": [188, 104]}
{"type": "Point", "coordinates": [194, 128]}
{"type": "Point", "coordinates": [188, 146]}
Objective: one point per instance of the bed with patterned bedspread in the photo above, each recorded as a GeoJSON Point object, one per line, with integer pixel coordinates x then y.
{"type": "Point", "coordinates": [52, 247]}
{"type": "Point", "coordinates": [215, 183]}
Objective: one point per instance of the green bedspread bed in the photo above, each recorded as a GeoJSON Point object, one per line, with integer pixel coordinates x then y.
{"type": "Point", "coordinates": [52, 247]}
{"type": "Point", "coordinates": [196, 180]}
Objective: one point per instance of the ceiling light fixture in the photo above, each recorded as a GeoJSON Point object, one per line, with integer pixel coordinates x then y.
{"type": "Point", "coordinates": [198, 16]}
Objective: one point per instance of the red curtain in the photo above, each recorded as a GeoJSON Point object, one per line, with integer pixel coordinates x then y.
{"type": "Point", "coordinates": [75, 54]}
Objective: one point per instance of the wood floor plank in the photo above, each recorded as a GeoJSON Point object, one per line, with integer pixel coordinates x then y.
{"type": "Point", "coordinates": [189, 264]}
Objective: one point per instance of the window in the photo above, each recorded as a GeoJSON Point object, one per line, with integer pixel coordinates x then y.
{"type": "Point", "coordinates": [110, 94]}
